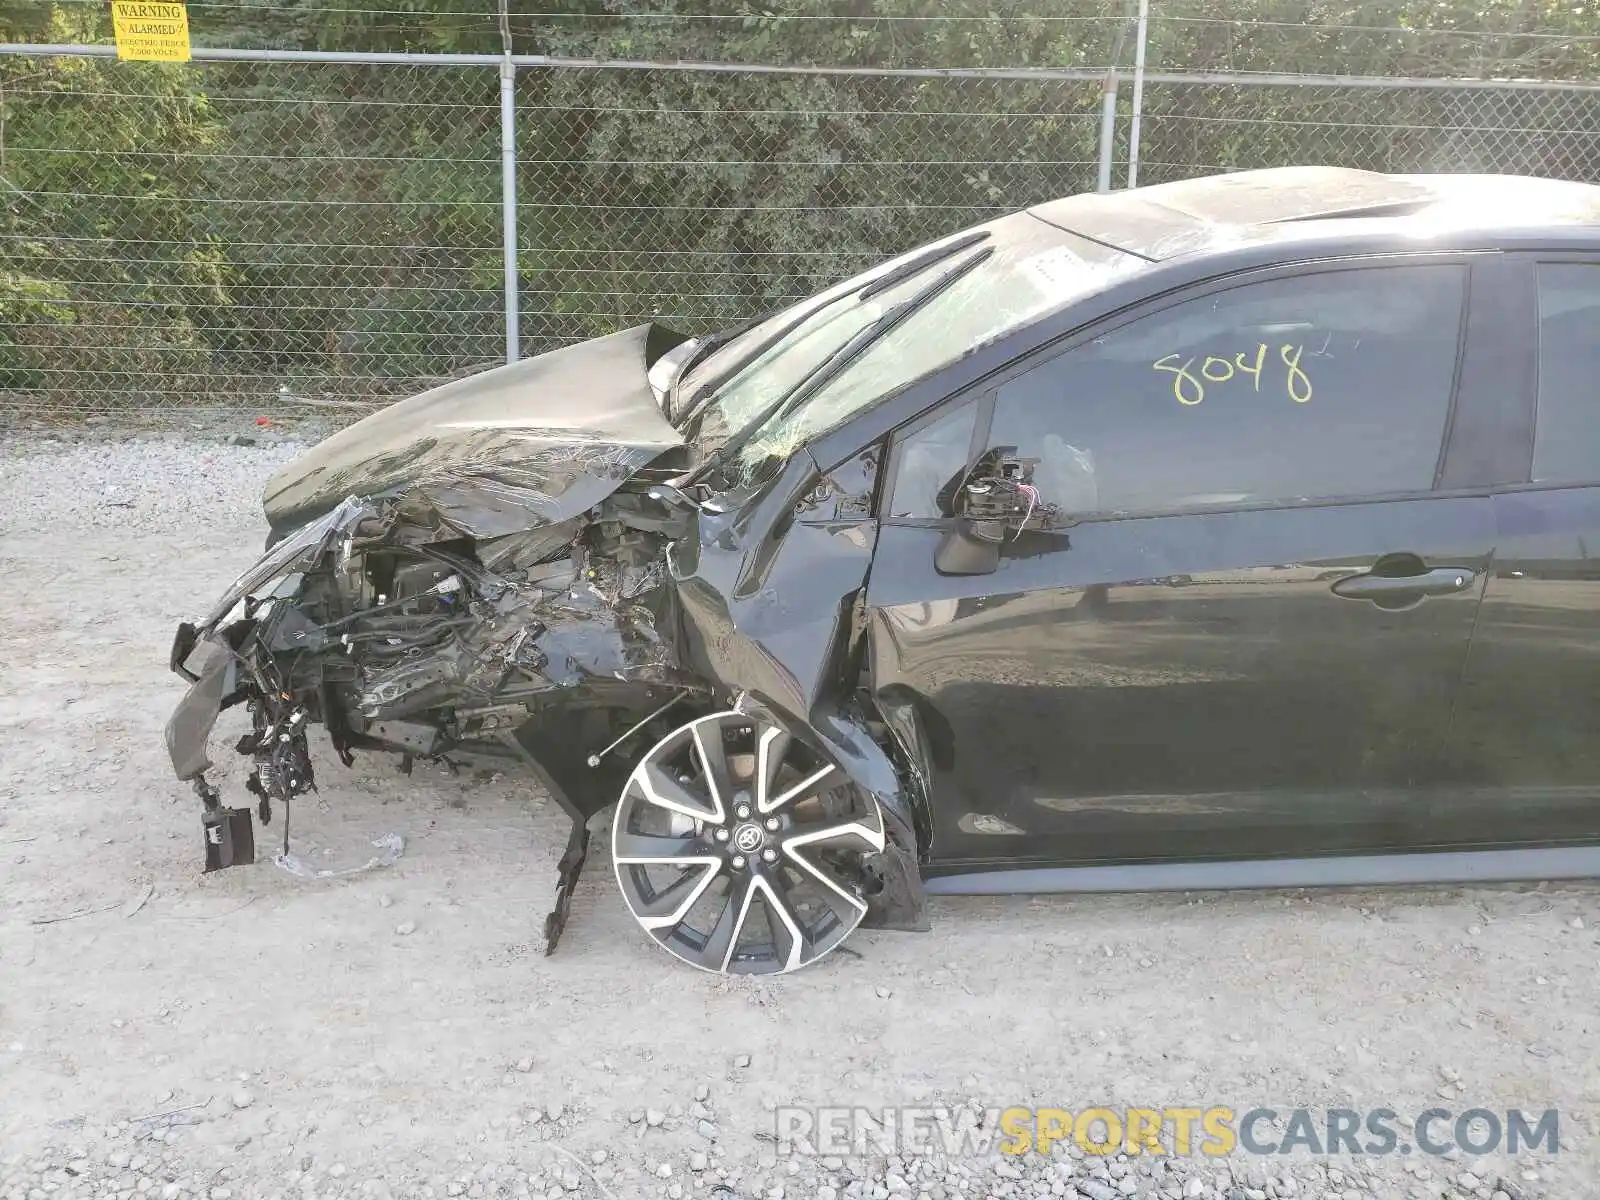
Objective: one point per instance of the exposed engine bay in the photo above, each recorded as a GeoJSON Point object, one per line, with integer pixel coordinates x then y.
{"type": "Point", "coordinates": [450, 583]}
{"type": "Point", "coordinates": [441, 648]}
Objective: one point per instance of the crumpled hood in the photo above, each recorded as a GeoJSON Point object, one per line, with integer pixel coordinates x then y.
{"type": "Point", "coordinates": [529, 444]}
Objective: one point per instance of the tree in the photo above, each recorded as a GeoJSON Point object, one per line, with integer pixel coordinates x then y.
{"type": "Point", "coordinates": [213, 233]}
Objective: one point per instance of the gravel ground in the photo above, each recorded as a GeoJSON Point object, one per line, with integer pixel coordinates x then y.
{"type": "Point", "coordinates": [398, 1032]}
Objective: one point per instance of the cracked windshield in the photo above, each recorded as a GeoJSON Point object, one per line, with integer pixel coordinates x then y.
{"type": "Point", "coordinates": [1000, 277]}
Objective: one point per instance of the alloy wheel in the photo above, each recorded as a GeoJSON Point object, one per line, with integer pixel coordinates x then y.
{"type": "Point", "coordinates": [738, 847]}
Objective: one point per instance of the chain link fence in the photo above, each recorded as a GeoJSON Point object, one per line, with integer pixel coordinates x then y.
{"type": "Point", "coordinates": [702, 199]}
{"type": "Point", "coordinates": [250, 235]}
{"type": "Point", "coordinates": [1201, 128]}
{"type": "Point", "coordinates": [274, 237]}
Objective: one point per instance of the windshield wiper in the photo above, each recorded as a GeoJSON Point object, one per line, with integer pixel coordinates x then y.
{"type": "Point", "coordinates": [704, 348]}
{"type": "Point", "coordinates": [715, 341]}
{"type": "Point", "coordinates": [706, 392]}
{"type": "Point", "coordinates": [831, 366]}
{"type": "Point", "coordinates": [921, 263]}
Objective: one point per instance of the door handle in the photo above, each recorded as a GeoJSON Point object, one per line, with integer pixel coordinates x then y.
{"type": "Point", "coordinates": [1399, 590]}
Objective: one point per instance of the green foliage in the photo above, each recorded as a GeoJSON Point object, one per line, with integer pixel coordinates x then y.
{"type": "Point", "coordinates": [218, 233]}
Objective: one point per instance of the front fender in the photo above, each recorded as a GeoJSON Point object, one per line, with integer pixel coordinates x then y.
{"type": "Point", "coordinates": [897, 900]}
{"type": "Point", "coordinates": [768, 602]}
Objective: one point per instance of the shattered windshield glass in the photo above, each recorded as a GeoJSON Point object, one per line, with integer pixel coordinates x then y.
{"type": "Point", "coordinates": [1033, 269]}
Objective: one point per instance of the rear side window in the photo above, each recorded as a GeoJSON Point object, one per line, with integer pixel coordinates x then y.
{"type": "Point", "coordinates": [1332, 384]}
{"type": "Point", "coordinates": [1566, 440]}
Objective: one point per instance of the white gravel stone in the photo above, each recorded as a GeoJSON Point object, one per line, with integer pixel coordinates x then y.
{"type": "Point", "coordinates": [401, 1026]}
{"type": "Point", "coordinates": [136, 484]}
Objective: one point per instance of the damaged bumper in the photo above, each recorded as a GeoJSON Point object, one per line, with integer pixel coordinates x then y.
{"type": "Point", "coordinates": [483, 575]}
{"type": "Point", "coordinates": [189, 727]}
{"type": "Point", "coordinates": [211, 653]}
{"type": "Point", "coordinates": [363, 622]}
{"type": "Point", "coordinates": [228, 832]}
{"type": "Point", "coordinates": [444, 575]}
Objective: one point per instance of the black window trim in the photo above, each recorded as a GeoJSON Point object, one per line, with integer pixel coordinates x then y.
{"type": "Point", "coordinates": [983, 391]}
{"type": "Point", "coordinates": [1527, 264]}
{"type": "Point", "coordinates": [1481, 444]}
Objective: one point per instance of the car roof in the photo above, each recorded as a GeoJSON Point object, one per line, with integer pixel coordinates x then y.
{"type": "Point", "coordinates": [1217, 212]}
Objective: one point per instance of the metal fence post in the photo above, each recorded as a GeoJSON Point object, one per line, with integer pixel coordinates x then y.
{"type": "Point", "coordinates": [1108, 129]}
{"type": "Point", "coordinates": [508, 202]}
{"type": "Point", "coordinates": [1108, 100]}
{"type": "Point", "coordinates": [1138, 92]}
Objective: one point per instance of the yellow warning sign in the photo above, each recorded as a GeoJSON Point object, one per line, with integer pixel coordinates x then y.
{"type": "Point", "coordinates": [151, 30]}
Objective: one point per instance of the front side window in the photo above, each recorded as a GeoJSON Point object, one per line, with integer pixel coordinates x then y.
{"type": "Point", "coordinates": [1333, 384]}
{"type": "Point", "coordinates": [1566, 442]}
{"type": "Point", "coordinates": [930, 464]}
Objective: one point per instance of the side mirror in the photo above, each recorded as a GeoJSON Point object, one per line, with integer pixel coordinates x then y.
{"type": "Point", "coordinates": [972, 545]}
{"type": "Point", "coordinates": [988, 509]}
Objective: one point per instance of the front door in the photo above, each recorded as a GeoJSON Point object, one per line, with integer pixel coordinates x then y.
{"type": "Point", "coordinates": [1243, 635]}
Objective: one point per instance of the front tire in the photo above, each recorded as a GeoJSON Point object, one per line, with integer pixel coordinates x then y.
{"type": "Point", "coordinates": [739, 848]}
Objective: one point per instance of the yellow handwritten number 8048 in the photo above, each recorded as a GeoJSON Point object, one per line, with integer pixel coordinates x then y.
{"type": "Point", "coordinates": [1190, 389]}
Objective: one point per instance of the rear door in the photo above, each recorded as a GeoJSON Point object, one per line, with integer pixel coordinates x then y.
{"type": "Point", "coordinates": [1527, 729]}
{"type": "Point", "coordinates": [1249, 641]}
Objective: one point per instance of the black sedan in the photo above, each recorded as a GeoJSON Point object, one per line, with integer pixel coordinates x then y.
{"type": "Point", "coordinates": [1227, 533]}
